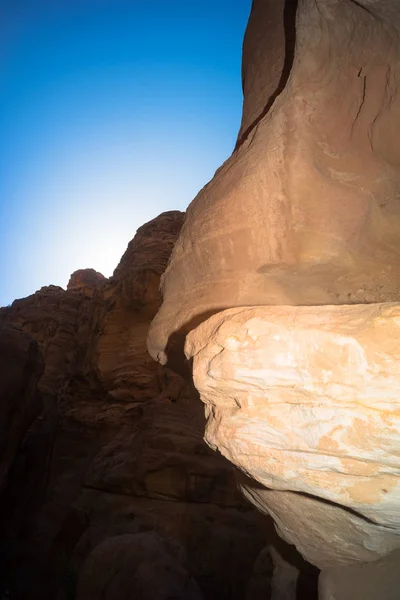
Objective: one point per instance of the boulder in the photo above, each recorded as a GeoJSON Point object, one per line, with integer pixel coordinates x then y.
{"type": "Point", "coordinates": [85, 278]}
{"type": "Point", "coordinates": [304, 400]}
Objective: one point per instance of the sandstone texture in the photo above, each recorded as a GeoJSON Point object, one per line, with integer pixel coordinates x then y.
{"type": "Point", "coordinates": [286, 276]}
{"type": "Point", "coordinates": [305, 399]}
{"type": "Point", "coordinates": [132, 298]}
{"type": "Point", "coordinates": [61, 322]}
{"type": "Point", "coordinates": [119, 446]}
{"type": "Point", "coordinates": [306, 209]}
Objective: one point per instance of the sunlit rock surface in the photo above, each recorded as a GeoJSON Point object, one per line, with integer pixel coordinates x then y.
{"type": "Point", "coordinates": [304, 213]}
{"type": "Point", "coordinates": [305, 399]}
{"type": "Point", "coordinates": [306, 210]}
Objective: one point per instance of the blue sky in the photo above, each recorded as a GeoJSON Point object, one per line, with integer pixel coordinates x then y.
{"type": "Point", "coordinates": [111, 111]}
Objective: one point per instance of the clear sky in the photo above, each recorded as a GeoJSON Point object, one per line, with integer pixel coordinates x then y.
{"type": "Point", "coordinates": [111, 112]}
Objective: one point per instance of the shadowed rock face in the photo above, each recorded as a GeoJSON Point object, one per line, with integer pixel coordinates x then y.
{"type": "Point", "coordinates": [306, 210]}
{"type": "Point", "coordinates": [121, 444]}
{"type": "Point", "coordinates": [131, 299]}
{"type": "Point", "coordinates": [268, 51]}
{"type": "Point", "coordinates": [22, 463]}
{"type": "Point", "coordinates": [21, 365]}
{"type": "Point", "coordinates": [124, 567]}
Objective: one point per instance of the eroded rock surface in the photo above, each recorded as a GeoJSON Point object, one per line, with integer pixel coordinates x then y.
{"type": "Point", "coordinates": [124, 452]}
{"type": "Point", "coordinates": [62, 322]}
{"type": "Point", "coordinates": [304, 213]}
{"type": "Point", "coordinates": [85, 278]}
{"type": "Point", "coordinates": [306, 209]}
{"type": "Point", "coordinates": [131, 299]}
{"type": "Point", "coordinates": [305, 399]}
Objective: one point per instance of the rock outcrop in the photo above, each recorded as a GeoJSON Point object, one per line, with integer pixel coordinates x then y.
{"type": "Point", "coordinates": [131, 300]}
{"type": "Point", "coordinates": [62, 322]}
{"type": "Point", "coordinates": [85, 278]}
{"type": "Point", "coordinates": [124, 453]}
{"type": "Point", "coordinates": [306, 209]}
{"type": "Point", "coordinates": [304, 213]}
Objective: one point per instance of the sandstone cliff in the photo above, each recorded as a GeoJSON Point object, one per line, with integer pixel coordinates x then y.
{"type": "Point", "coordinates": [306, 209]}
{"type": "Point", "coordinates": [124, 452]}
{"type": "Point", "coordinates": [303, 220]}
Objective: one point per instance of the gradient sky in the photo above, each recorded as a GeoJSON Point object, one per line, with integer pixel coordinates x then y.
{"type": "Point", "coordinates": [111, 111]}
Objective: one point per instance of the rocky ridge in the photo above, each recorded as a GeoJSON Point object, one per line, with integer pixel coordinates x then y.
{"type": "Point", "coordinates": [123, 452]}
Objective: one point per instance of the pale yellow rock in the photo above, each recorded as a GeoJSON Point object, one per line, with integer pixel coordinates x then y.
{"type": "Point", "coordinates": [307, 399]}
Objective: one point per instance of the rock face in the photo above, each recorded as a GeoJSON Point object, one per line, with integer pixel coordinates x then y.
{"type": "Point", "coordinates": [125, 566]}
{"type": "Point", "coordinates": [305, 400]}
{"type": "Point", "coordinates": [122, 448]}
{"type": "Point", "coordinates": [85, 278]}
{"type": "Point", "coordinates": [304, 213]}
{"type": "Point", "coordinates": [132, 298]}
{"type": "Point", "coordinates": [306, 209]}
{"type": "Point", "coordinates": [62, 322]}
{"type": "Point", "coordinates": [21, 365]}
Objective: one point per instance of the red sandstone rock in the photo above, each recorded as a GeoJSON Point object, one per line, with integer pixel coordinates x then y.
{"type": "Point", "coordinates": [305, 212]}
{"type": "Point", "coordinates": [128, 452]}
{"type": "Point", "coordinates": [85, 278]}
{"type": "Point", "coordinates": [132, 298]}
{"type": "Point", "coordinates": [63, 322]}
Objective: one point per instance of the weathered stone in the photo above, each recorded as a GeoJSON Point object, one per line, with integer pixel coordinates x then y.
{"type": "Point", "coordinates": [62, 322]}
{"type": "Point", "coordinates": [306, 210]}
{"type": "Point", "coordinates": [305, 400]}
{"type": "Point", "coordinates": [85, 278]}
{"type": "Point", "coordinates": [371, 581]}
{"type": "Point", "coordinates": [127, 436]}
{"type": "Point", "coordinates": [132, 298]}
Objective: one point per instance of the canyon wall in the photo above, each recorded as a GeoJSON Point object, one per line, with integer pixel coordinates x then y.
{"type": "Point", "coordinates": [284, 282]}
{"type": "Point", "coordinates": [126, 471]}
{"type": "Point", "coordinates": [306, 209]}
